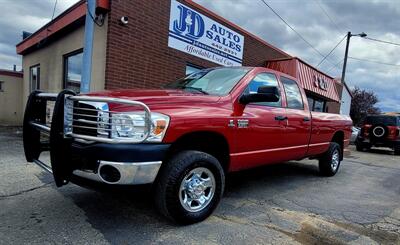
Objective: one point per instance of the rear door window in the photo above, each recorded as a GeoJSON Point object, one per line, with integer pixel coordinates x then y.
{"type": "Point", "coordinates": [293, 94]}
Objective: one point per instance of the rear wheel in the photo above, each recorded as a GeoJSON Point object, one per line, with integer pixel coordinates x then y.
{"type": "Point", "coordinates": [397, 150]}
{"type": "Point", "coordinates": [359, 147]}
{"type": "Point", "coordinates": [363, 146]}
{"type": "Point", "coordinates": [329, 163]}
{"type": "Point", "coordinates": [189, 187]}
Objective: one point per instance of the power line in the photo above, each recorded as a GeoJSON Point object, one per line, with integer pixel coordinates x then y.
{"type": "Point", "coordinates": [373, 61]}
{"type": "Point", "coordinates": [309, 44]}
{"type": "Point", "coordinates": [382, 41]}
{"type": "Point", "coordinates": [336, 65]}
{"type": "Point", "coordinates": [326, 56]}
{"type": "Point", "coordinates": [329, 17]}
{"type": "Point", "coordinates": [54, 10]}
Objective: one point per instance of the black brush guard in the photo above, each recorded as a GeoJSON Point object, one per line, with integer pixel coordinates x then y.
{"type": "Point", "coordinates": [35, 122]}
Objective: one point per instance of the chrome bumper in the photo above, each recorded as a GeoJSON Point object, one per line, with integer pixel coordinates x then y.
{"type": "Point", "coordinates": [131, 173]}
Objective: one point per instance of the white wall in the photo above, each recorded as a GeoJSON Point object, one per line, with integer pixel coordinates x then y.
{"type": "Point", "coordinates": [345, 103]}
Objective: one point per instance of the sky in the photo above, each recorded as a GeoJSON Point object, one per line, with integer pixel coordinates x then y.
{"type": "Point", "coordinates": [322, 23]}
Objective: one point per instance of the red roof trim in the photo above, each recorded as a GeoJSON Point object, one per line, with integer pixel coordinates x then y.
{"type": "Point", "coordinates": [302, 61]}
{"type": "Point", "coordinates": [214, 15]}
{"type": "Point", "coordinates": [72, 14]}
{"type": "Point", "coordinates": [11, 73]}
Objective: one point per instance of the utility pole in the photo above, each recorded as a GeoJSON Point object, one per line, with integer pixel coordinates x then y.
{"type": "Point", "coordinates": [88, 47]}
{"type": "Point", "coordinates": [346, 53]}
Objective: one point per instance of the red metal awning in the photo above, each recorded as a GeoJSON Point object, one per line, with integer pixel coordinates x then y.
{"type": "Point", "coordinates": [310, 78]}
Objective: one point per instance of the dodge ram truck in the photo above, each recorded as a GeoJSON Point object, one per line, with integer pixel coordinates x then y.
{"type": "Point", "coordinates": [182, 139]}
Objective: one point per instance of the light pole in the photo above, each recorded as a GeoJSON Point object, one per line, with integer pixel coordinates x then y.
{"type": "Point", "coordinates": [349, 35]}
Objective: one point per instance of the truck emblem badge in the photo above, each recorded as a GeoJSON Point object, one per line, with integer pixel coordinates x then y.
{"type": "Point", "coordinates": [231, 123]}
{"type": "Point", "coordinates": [243, 123]}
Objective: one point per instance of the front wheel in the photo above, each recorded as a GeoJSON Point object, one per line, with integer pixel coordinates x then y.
{"type": "Point", "coordinates": [329, 163]}
{"type": "Point", "coordinates": [189, 187]}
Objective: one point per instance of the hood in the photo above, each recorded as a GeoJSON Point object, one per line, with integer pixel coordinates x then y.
{"type": "Point", "coordinates": [160, 96]}
{"type": "Point", "coordinates": [175, 103]}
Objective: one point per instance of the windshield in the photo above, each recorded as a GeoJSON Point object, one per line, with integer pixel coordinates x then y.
{"type": "Point", "coordinates": [211, 81]}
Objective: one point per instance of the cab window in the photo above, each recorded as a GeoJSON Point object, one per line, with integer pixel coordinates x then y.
{"type": "Point", "coordinates": [293, 94]}
{"type": "Point", "coordinates": [264, 79]}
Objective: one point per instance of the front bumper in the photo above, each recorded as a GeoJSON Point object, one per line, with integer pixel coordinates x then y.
{"type": "Point", "coordinates": [124, 162]}
{"type": "Point", "coordinates": [133, 164]}
{"type": "Point", "coordinates": [378, 143]}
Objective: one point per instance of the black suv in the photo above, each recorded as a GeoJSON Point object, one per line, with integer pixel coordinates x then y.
{"type": "Point", "coordinates": [380, 131]}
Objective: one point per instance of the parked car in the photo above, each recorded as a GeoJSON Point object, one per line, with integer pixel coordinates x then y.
{"type": "Point", "coordinates": [380, 131]}
{"type": "Point", "coordinates": [355, 131]}
{"type": "Point", "coordinates": [185, 138]}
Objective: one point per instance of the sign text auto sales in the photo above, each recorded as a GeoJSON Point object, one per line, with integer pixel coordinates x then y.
{"type": "Point", "coordinates": [196, 34]}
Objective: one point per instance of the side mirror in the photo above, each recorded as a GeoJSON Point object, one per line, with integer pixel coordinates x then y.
{"type": "Point", "coordinates": [264, 94]}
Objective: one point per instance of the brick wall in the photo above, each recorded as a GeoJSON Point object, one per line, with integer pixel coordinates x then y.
{"type": "Point", "coordinates": [334, 107]}
{"type": "Point", "coordinates": [138, 55]}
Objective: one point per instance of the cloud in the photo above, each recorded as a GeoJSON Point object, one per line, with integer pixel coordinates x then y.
{"type": "Point", "coordinates": [23, 15]}
{"type": "Point", "coordinates": [321, 22]}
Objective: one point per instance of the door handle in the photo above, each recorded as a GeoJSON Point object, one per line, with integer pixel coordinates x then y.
{"type": "Point", "coordinates": [280, 118]}
{"type": "Point", "coordinates": [306, 119]}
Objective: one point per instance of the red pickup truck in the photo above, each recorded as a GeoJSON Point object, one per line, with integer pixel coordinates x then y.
{"type": "Point", "coordinates": [183, 138]}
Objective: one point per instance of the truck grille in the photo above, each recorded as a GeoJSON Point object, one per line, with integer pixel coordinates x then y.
{"type": "Point", "coordinates": [85, 119]}
{"type": "Point", "coordinates": [89, 118]}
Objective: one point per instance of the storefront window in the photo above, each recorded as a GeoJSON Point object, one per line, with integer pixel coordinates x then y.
{"type": "Point", "coordinates": [34, 77]}
{"type": "Point", "coordinates": [192, 68]}
{"type": "Point", "coordinates": [73, 70]}
{"type": "Point", "coordinates": [317, 104]}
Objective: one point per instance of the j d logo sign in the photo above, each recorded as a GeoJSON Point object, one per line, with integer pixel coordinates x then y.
{"type": "Point", "coordinates": [198, 35]}
{"type": "Point", "coordinates": [320, 83]}
{"type": "Point", "coordinates": [189, 24]}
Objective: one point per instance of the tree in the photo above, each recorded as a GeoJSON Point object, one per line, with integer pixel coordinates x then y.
{"type": "Point", "coordinates": [363, 104]}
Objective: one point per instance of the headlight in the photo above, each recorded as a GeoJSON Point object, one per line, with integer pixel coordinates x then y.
{"type": "Point", "coordinates": [133, 126]}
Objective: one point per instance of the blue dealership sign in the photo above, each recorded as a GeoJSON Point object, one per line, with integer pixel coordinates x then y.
{"type": "Point", "coordinates": [198, 35]}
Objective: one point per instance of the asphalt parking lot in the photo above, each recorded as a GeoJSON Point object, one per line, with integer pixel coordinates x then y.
{"type": "Point", "coordinates": [287, 203]}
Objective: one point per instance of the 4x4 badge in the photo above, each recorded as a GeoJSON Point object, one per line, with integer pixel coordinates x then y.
{"type": "Point", "coordinates": [243, 123]}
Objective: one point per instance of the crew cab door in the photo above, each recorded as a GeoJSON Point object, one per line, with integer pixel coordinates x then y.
{"type": "Point", "coordinates": [298, 124]}
{"type": "Point", "coordinates": [260, 127]}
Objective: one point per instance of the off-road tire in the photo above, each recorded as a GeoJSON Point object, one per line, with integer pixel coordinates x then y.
{"type": "Point", "coordinates": [167, 185]}
{"type": "Point", "coordinates": [359, 146]}
{"type": "Point", "coordinates": [326, 160]}
{"type": "Point", "coordinates": [363, 146]}
{"type": "Point", "coordinates": [397, 150]}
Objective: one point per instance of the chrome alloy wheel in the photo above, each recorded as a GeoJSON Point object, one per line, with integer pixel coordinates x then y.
{"type": "Point", "coordinates": [197, 189]}
{"type": "Point", "coordinates": [335, 160]}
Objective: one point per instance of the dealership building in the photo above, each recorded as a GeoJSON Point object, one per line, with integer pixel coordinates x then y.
{"type": "Point", "coordinates": [145, 44]}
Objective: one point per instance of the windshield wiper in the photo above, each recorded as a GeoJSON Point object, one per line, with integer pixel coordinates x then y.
{"type": "Point", "coordinates": [194, 88]}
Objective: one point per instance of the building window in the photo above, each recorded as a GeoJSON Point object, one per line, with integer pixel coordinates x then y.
{"type": "Point", "coordinates": [73, 70]}
{"type": "Point", "coordinates": [34, 77]}
{"type": "Point", "coordinates": [317, 104]}
{"type": "Point", "coordinates": [293, 94]}
{"type": "Point", "coordinates": [192, 68]}
{"type": "Point", "coordinates": [1, 86]}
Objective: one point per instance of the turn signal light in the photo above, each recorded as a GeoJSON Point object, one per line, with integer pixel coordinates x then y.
{"type": "Point", "coordinates": [159, 127]}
